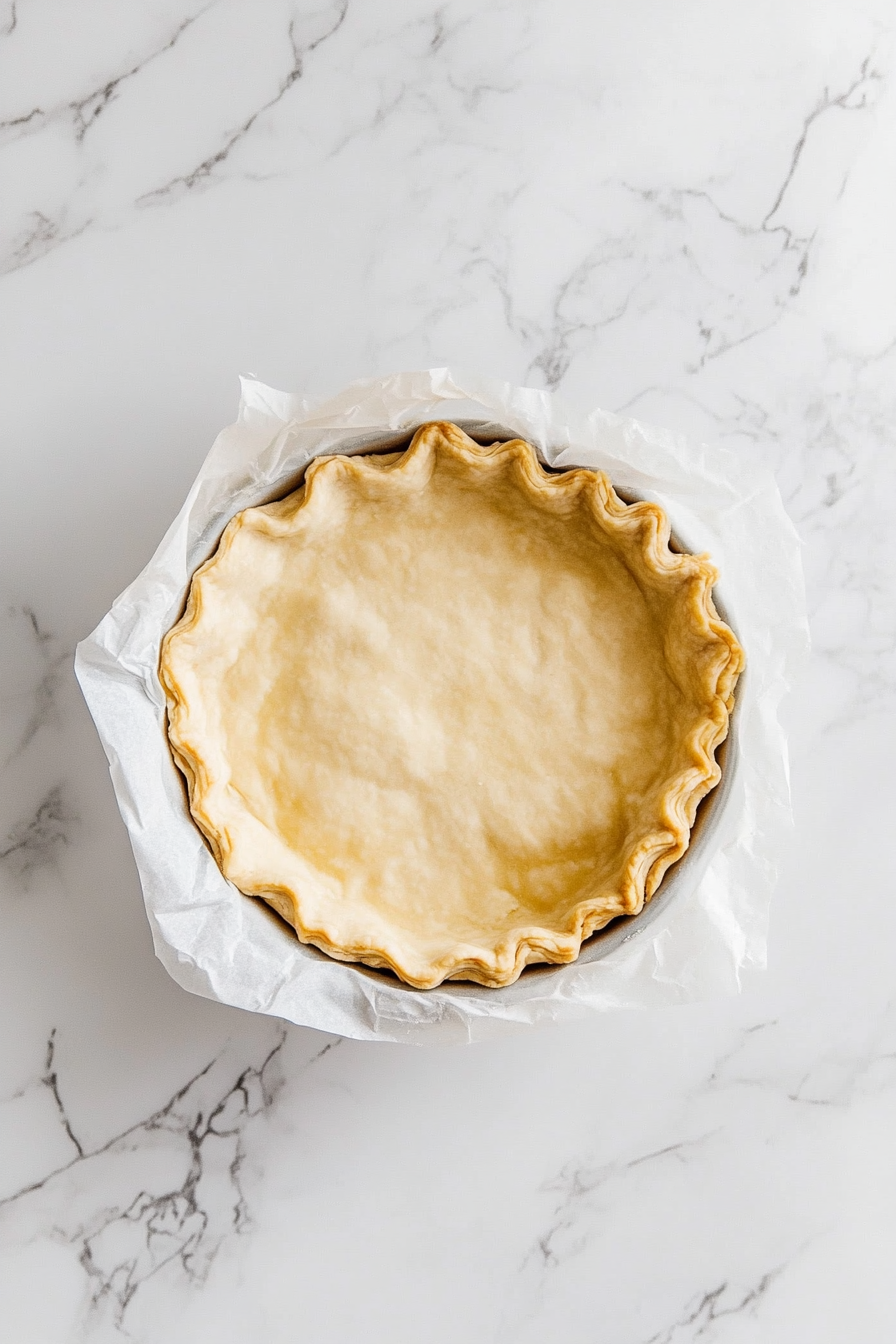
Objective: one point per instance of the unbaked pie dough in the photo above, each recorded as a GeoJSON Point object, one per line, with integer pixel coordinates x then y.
{"type": "Point", "coordinates": [447, 711]}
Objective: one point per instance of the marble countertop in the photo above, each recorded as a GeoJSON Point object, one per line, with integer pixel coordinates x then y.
{"type": "Point", "coordinates": [682, 211]}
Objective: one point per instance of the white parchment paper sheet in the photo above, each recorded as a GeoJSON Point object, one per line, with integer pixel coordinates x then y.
{"type": "Point", "coordinates": [218, 943]}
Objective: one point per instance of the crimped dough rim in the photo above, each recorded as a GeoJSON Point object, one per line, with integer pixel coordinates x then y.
{"type": "Point", "coordinates": [643, 529]}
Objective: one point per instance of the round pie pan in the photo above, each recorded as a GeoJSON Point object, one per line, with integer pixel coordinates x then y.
{"type": "Point", "coordinates": [678, 878]}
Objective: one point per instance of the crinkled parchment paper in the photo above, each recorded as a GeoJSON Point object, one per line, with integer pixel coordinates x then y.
{"type": "Point", "coordinates": [703, 942]}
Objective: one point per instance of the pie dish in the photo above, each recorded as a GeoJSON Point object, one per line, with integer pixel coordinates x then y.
{"type": "Point", "coordinates": [447, 711]}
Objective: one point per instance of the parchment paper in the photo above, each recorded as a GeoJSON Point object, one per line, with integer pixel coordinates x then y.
{"type": "Point", "coordinates": [218, 943]}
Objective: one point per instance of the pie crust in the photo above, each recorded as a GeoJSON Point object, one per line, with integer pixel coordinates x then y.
{"type": "Point", "coordinates": [449, 712]}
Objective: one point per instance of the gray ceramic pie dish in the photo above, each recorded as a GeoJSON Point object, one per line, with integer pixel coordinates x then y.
{"type": "Point", "coordinates": [678, 878]}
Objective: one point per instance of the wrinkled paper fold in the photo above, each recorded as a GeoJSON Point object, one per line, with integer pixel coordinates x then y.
{"type": "Point", "coordinates": [220, 944]}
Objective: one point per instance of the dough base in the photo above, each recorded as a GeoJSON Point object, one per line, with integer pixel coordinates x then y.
{"type": "Point", "coordinates": [447, 712]}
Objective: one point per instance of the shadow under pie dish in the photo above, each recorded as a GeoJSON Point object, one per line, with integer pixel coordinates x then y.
{"type": "Point", "coordinates": [448, 712]}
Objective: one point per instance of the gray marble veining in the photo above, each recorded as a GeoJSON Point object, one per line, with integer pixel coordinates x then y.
{"type": "Point", "coordinates": [681, 212]}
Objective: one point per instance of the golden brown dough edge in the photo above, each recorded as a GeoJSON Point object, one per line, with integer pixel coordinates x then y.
{"type": "Point", "coordinates": [653, 854]}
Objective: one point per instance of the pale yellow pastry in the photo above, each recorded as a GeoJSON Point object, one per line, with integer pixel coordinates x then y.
{"type": "Point", "coordinates": [448, 712]}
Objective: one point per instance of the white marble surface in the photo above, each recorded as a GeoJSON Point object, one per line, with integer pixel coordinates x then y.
{"type": "Point", "coordinates": [683, 210]}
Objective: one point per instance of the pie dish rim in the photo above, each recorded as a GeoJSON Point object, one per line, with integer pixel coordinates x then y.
{"type": "Point", "coordinates": [595, 945]}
